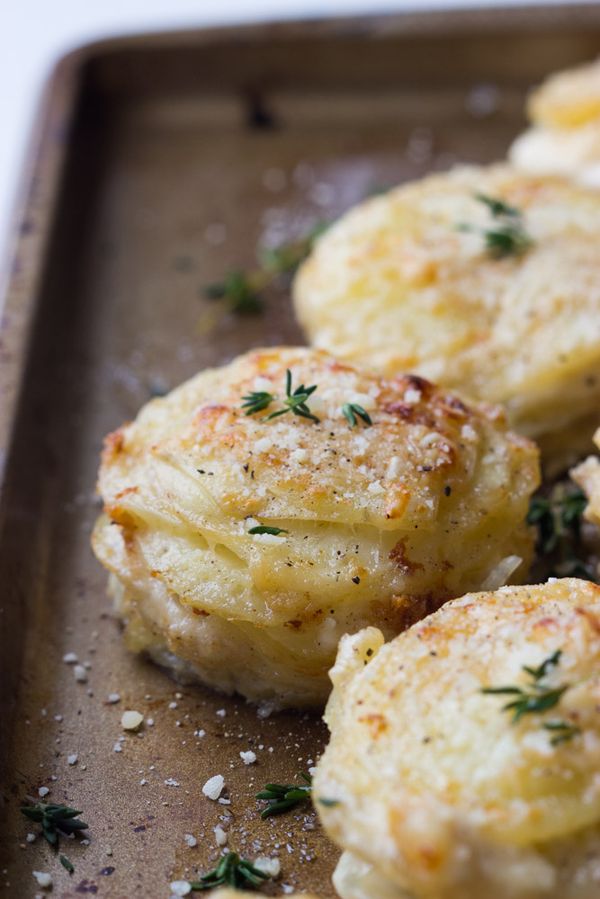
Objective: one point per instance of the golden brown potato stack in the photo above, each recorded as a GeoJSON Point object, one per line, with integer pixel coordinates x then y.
{"type": "Point", "coordinates": [244, 539]}
{"type": "Point", "coordinates": [486, 280]}
{"type": "Point", "coordinates": [564, 137]}
{"type": "Point", "coordinates": [464, 755]}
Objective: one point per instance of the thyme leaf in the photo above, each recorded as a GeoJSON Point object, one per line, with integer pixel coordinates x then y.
{"type": "Point", "coordinates": [67, 864]}
{"type": "Point", "coordinates": [563, 731]}
{"type": "Point", "coordinates": [267, 529]}
{"type": "Point", "coordinates": [352, 410]}
{"type": "Point", "coordinates": [283, 797]}
{"type": "Point", "coordinates": [256, 401]}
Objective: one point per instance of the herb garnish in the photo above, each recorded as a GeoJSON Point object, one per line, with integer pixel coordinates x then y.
{"type": "Point", "coordinates": [55, 820]}
{"type": "Point", "coordinates": [351, 410]}
{"type": "Point", "coordinates": [231, 871]}
{"type": "Point", "coordinates": [328, 803]}
{"type": "Point", "coordinates": [267, 529]}
{"type": "Point", "coordinates": [537, 697]}
{"type": "Point", "coordinates": [282, 797]}
{"type": "Point", "coordinates": [563, 731]}
{"type": "Point", "coordinates": [558, 518]}
{"type": "Point", "coordinates": [507, 235]}
{"type": "Point", "coordinates": [244, 291]}
{"type": "Point", "coordinates": [257, 401]}
{"type": "Point", "coordinates": [294, 401]}
{"type": "Point", "coordinates": [67, 864]}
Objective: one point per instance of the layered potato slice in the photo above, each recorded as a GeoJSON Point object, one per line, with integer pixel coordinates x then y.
{"type": "Point", "coordinates": [564, 138]}
{"type": "Point", "coordinates": [433, 787]}
{"type": "Point", "coordinates": [375, 520]}
{"type": "Point", "coordinates": [409, 281]}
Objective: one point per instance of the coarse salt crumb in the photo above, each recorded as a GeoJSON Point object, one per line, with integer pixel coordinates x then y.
{"type": "Point", "coordinates": [180, 887]}
{"type": "Point", "coordinates": [220, 835]}
{"type": "Point", "coordinates": [113, 697]}
{"type": "Point", "coordinates": [109, 851]}
{"type": "Point", "coordinates": [173, 705]}
{"type": "Point", "coordinates": [200, 733]}
{"type": "Point", "coordinates": [117, 747]}
{"type": "Point", "coordinates": [190, 840]}
{"type": "Point", "coordinates": [412, 395]}
{"type": "Point", "coordinates": [221, 713]}
{"type": "Point", "coordinates": [248, 758]}
{"type": "Point", "coordinates": [30, 838]}
{"type": "Point", "coordinates": [44, 879]}
{"type": "Point", "coordinates": [270, 866]}
{"type": "Point", "coordinates": [58, 718]}
{"type": "Point", "coordinates": [171, 782]}
{"type": "Point", "coordinates": [70, 658]}
{"type": "Point", "coordinates": [213, 787]}
{"type": "Point", "coordinates": [80, 674]}
{"type": "Point", "coordinates": [150, 722]}
{"type": "Point", "coordinates": [131, 720]}
{"type": "Point", "coordinates": [43, 791]}
{"type": "Point", "coordinates": [312, 770]}
{"type": "Point", "coordinates": [72, 759]}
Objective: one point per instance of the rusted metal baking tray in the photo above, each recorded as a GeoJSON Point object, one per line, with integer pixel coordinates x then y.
{"type": "Point", "coordinates": [160, 163]}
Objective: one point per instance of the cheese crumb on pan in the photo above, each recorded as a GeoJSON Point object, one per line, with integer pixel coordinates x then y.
{"type": "Point", "coordinates": [425, 279]}
{"type": "Point", "coordinates": [564, 137]}
{"type": "Point", "coordinates": [237, 563]}
{"type": "Point", "coordinates": [464, 755]}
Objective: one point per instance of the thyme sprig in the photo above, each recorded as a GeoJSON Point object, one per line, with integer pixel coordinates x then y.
{"type": "Point", "coordinates": [536, 697]}
{"type": "Point", "coordinates": [244, 292]}
{"type": "Point", "coordinates": [352, 410]}
{"type": "Point", "coordinates": [283, 797]}
{"type": "Point", "coordinates": [55, 820]}
{"type": "Point", "coordinates": [231, 871]}
{"type": "Point", "coordinates": [294, 401]}
{"type": "Point", "coordinates": [506, 235]}
{"type": "Point", "coordinates": [558, 517]}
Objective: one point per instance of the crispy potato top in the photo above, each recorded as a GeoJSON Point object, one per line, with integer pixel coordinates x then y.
{"type": "Point", "coordinates": [423, 763]}
{"type": "Point", "coordinates": [405, 281]}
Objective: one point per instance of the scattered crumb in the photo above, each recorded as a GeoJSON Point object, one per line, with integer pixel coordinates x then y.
{"type": "Point", "coordinates": [220, 835]}
{"type": "Point", "coordinates": [180, 888]}
{"type": "Point", "coordinates": [30, 838]}
{"type": "Point", "coordinates": [73, 758]}
{"type": "Point", "coordinates": [270, 866]}
{"type": "Point", "coordinates": [44, 879]}
{"type": "Point", "coordinates": [190, 840]}
{"type": "Point", "coordinates": [112, 698]}
{"type": "Point", "coordinates": [248, 757]}
{"type": "Point", "coordinates": [80, 674]}
{"type": "Point", "coordinates": [213, 787]}
{"type": "Point", "coordinates": [43, 791]}
{"type": "Point", "coordinates": [171, 782]}
{"type": "Point", "coordinates": [70, 658]}
{"type": "Point", "coordinates": [131, 720]}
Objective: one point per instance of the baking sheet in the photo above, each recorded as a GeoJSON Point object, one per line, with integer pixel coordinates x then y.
{"type": "Point", "coordinates": [161, 163]}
